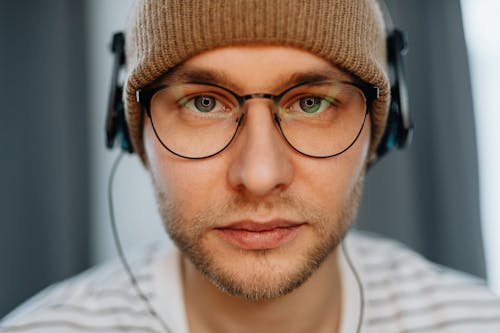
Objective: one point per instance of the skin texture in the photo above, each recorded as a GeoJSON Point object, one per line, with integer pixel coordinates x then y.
{"type": "Point", "coordinates": [292, 288]}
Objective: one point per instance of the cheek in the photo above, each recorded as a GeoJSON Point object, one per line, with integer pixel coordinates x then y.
{"type": "Point", "coordinates": [189, 184]}
{"type": "Point", "coordinates": [194, 184]}
{"type": "Point", "coordinates": [333, 180]}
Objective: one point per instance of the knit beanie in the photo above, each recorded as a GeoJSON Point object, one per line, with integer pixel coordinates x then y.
{"type": "Point", "coordinates": [161, 34]}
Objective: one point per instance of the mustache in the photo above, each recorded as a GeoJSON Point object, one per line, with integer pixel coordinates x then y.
{"type": "Point", "coordinates": [238, 207]}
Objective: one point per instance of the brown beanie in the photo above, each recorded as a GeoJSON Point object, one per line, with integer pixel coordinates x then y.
{"type": "Point", "coordinates": [164, 33]}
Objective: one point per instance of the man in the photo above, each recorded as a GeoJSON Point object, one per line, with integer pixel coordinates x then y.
{"type": "Point", "coordinates": [256, 121]}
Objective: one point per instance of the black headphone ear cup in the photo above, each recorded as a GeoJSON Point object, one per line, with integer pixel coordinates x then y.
{"type": "Point", "coordinates": [125, 142]}
{"type": "Point", "coordinates": [390, 138]}
{"type": "Point", "coordinates": [116, 123]}
{"type": "Point", "coordinates": [399, 126]}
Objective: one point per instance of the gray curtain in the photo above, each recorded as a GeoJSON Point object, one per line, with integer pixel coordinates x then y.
{"type": "Point", "coordinates": [44, 155]}
{"type": "Point", "coordinates": [427, 196]}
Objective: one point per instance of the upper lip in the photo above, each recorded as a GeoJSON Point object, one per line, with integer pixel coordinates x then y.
{"type": "Point", "coordinates": [249, 225]}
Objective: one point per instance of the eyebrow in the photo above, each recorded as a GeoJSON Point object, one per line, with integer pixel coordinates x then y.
{"type": "Point", "coordinates": [213, 76]}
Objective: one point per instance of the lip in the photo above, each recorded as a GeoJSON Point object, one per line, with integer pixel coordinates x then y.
{"type": "Point", "coordinates": [251, 235]}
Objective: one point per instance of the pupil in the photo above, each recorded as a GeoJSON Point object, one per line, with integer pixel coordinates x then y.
{"type": "Point", "coordinates": [310, 104]}
{"type": "Point", "coordinates": [204, 103]}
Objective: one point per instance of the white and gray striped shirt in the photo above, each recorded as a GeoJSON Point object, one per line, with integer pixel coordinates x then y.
{"type": "Point", "coordinates": [402, 293]}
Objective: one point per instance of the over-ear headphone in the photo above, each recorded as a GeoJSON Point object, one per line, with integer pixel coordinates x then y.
{"type": "Point", "coordinates": [399, 126]}
{"type": "Point", "coordinates": [398, 134]}
{"type": "Point", "coordinates": [116, 124]}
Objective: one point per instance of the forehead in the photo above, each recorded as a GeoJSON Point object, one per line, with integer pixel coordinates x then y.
{"type": "Point", "coordinates": [255, 67]}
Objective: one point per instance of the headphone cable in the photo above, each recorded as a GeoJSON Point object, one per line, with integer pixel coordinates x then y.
{"type": "Point", "coordinates": [119, 248]}
{"type": "Point", "coordinates": [360, 285]}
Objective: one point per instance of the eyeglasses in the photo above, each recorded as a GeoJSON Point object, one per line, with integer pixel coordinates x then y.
{"type": "Point", "coordinates": [198, 120]}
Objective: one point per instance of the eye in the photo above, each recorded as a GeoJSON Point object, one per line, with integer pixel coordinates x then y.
{"type": "Point", "coordinates": [203, 103]}
{"type": "Point", "coordinates": [310, 104]}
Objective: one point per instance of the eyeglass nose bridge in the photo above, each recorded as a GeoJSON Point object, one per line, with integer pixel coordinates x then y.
{"type": "Point", "coordinates": [275, 116]}
{"type": "Point", "coordinates": [274, 98]}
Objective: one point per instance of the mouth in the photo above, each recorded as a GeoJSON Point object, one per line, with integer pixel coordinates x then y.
{"type": "Point", "coordinates": [250, 235]}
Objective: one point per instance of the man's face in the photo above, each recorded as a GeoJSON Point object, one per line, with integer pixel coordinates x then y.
{"type": "Point", "coordinates": [258, 218]}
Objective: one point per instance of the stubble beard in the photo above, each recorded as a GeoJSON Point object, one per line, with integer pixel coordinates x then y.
{"type": "Point", "coordinates": [263, 281]}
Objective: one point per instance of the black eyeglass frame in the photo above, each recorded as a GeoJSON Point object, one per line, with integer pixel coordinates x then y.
{"type": "Point", "coordinates": [145, 95]}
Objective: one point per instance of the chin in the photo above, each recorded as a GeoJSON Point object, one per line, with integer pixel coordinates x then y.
{"type": "Point", "coordinates": [260, 275]}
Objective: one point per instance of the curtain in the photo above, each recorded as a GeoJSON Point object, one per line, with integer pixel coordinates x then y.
{"type": "Point", "coordinates": [44, 155]}
{"type": "Point", "coordinates": [428, 195]}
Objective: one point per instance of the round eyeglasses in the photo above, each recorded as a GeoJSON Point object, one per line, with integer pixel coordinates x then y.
{"type": "Point", "coordinates": [198, 120]}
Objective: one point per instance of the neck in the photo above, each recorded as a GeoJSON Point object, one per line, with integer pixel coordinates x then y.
{"type": "Point", "coordinates": [313, 307]}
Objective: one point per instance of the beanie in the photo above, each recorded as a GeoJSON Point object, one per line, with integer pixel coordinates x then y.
{"type": "Point", "coordinates": [350, 34]}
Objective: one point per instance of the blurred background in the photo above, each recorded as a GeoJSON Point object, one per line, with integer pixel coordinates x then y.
{"type": "Point", "coordinates": [440, 196]}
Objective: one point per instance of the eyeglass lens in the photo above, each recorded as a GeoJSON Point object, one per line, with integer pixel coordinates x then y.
{"type": "Point", "coordinates": [317, 119]}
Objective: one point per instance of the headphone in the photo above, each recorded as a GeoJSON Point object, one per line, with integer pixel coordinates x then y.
{"type": "Point", "coordinates": [398, 129]}
{"type": "Point", "coordinates": [398, 134]}
{"type": "Point", "coordinates": [116, 124]}
{"type": "Point", "coordinates": [399, 126]}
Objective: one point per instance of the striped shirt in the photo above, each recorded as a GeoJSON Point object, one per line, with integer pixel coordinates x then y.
{"type": "Point", "coordinates": [399, 292]}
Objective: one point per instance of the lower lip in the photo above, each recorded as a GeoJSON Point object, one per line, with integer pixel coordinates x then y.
{"type": "Point", "coordinates": [259, 240]}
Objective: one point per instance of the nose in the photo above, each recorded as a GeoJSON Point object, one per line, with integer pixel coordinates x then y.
{"type": "Point", "coordinates": [261, 160]}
